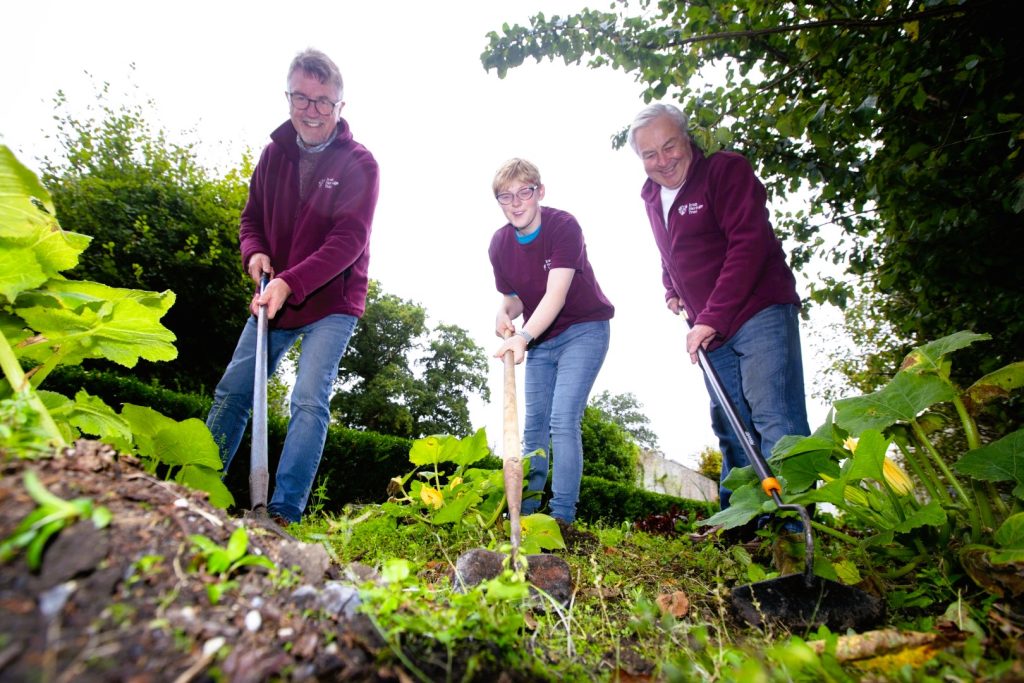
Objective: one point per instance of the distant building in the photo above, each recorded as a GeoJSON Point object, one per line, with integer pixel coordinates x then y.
{"type": "Point", "coordinates": [658, 474]}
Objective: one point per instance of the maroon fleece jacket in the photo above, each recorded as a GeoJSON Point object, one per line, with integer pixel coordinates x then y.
{"type": "Point", "coordinates": [719, 255]}
{"type": "Point", "coordinates": [319, 246]}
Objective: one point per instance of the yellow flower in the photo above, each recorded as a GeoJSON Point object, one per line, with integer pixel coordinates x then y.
{"type": "Point", "coordinates": [432, 497]}
{"type": "Point", "coordinates": [898, 480]}
{"type": "Point", "coordinates": [851, 444]}
{"type": "Point", "coordinates": [454, 482]}
{"type": "Point", "coordinates": [855, 495]}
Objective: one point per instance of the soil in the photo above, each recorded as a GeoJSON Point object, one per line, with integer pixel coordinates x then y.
{"type": "Point", "coordinates": [129, 603]}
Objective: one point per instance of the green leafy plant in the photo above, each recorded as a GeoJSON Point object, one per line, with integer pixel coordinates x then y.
{"type": "Point", "coordinates": [411, 614]}
{"type": "Point", "coordinates": [52, 514]}
{"type": "Point", "coordinates": [448, 490]}
{"type": "Point", "coordinates": [947, 502]}
{"type": "Point", "coordinates": [47, 320]}
{"type": "Point", "coordinates": [222, 563]}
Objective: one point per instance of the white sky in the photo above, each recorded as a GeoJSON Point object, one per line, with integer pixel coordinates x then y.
{"type": "Point", "coordinates": [439, 126]}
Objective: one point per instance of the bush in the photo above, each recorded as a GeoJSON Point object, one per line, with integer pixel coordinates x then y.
{"type": "Point", "coordinates": [116, 389]}
{"type": "Point", "coordinates": [612, 503]}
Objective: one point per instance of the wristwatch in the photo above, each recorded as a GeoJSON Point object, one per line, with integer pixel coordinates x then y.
{"type": "Point", "coordinates": [525, 335]}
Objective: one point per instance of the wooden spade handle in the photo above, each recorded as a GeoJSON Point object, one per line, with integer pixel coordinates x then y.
{"type": "Point", "coordinates": [513, 457]}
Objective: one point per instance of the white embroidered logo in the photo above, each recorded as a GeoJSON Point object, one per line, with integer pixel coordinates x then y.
{"type": "Point", "coordinates": [691, 208]}
{"type": "Point", "coordinates": [547, 264]}
{"type": "Point", "coordinates": [328, 183]}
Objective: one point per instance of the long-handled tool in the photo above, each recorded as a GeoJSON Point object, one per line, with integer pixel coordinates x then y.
{"type": "Point", "coordinates": [548, 573]}
{"type": "Point", "coordinates": [796, 601]}
{"type": "Point", "coordinates": [259, 471]}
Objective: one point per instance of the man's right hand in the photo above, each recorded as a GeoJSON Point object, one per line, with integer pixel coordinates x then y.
{"type": "Point", "coordinates": [259, 264]}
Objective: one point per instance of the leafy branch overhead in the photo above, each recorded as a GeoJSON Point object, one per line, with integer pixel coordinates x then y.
{"type": "Point", "coordinates": [887, 134]}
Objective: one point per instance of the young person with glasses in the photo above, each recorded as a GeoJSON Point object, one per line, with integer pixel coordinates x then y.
{"type": "Point", "coordinates": [541, 269]}
{"type": "Point", "coordinates": [307, 226]}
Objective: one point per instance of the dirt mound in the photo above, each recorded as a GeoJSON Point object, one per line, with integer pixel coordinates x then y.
{"type": "Point", "coordinates": [129, 602]}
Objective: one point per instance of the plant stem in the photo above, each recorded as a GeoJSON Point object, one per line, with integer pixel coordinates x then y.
{"type": "Point", "coordinates": [990, 495]}
{"type": "Point", "coordinates": [964, 499]}
{"type": "Point", "coordinates": [970, 428]}
{"type": "Point", "coordinates": [832, 532]}
{"type": "Point", "coordinates": [927, 476]}
{"type": "Point", "coordinates": [20, 384]}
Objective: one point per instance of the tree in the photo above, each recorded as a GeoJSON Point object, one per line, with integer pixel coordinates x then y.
{"type": "Point", "coordinates": [709, 463]}
{"type": "Point", "coordinates": [159, 221]}
{"type": "Point", "coordinates": [901, 121]}
{"type": "Point", "coordinates": [608, 450]}
{"type": "Point", "coordinates": [625, 411]}
{"type": "Point", "coordinates": [378, 388]}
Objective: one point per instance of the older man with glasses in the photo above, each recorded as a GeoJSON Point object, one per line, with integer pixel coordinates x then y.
{"type": "Point", "coordinates": [306, 226]}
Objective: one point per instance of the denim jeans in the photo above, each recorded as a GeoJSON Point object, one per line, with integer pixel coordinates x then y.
{"type": "Point", "coordinates": [762, 371]}
{"type": "Point", "coordinates": [323, 343]}
{"type": "Point", "coordinates": [560, 373]}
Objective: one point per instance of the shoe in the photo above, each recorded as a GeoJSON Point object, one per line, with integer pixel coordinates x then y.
{"type": "Point", "coordinates": [280, 521]}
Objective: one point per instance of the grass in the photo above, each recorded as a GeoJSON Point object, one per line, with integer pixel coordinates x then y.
{"type": "Point", "coordinates": [614, 630]}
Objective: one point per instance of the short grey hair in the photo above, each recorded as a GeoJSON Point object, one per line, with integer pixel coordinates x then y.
{"type": "Point", "coordinates": [318, 65]}
{"type": "Point", "coordinates": [645, 117]}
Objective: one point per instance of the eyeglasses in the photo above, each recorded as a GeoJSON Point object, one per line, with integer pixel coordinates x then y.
{"type": "Point", "coordinates": [524, 194]}
{"type": "Point", "coordinates": [301, 103]}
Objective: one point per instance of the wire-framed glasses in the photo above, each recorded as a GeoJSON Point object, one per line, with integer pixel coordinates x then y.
{"type": "Point", "coordinates": [524, 194]}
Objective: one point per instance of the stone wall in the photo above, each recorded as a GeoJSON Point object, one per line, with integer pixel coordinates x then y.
{"type": "Point", "coordinates": [661, 475]}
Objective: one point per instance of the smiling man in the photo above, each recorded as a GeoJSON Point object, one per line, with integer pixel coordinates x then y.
{"type": "Point", "coordinates": [307, 226]}
{"type": "Point", "coordinates": [723, 264]}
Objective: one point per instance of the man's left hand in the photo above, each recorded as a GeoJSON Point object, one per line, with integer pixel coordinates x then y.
{"type": "Point", "coordinates": [698, 336]}
{"type": "Point", "coordinates": [273, 297]}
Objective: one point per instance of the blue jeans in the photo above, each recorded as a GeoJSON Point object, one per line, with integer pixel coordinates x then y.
{"type": "Point", "coordinates": [323, 343]}
{"type": "Point", "coordinates": [560, 373]}
{"type": "Point", "coordinates": [762, 371]}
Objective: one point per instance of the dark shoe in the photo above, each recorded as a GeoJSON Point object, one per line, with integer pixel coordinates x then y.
{"type": "Point", "coordinates": [577, 540]}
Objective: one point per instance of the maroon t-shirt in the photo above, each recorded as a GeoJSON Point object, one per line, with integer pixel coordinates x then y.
{"type": "Point", "coordinates": [522, 269]}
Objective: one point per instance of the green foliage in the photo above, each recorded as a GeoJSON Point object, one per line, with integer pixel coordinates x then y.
{"type": "Point", "coordinates": [223, 562]}
{"type": "Point", "coordinates": [709, 463]}
{"type": "Point", "coordinates": [439, 494]}
{"type": "Point", "coordinates": [158, 220]}
{"type": "Point", "coordinates": [614, 502]}
{"type": "Point", "coordinates": [117, 389]}
{"type": "Point", "coordinates": [903, 126]}
{"type": "Point", "coordinates": [626, 411]}
{"type": "Point", "coordinates": [55, 321]}
{"type": "Point", "coordinates": [379, 389]}
{"type": "Point", "coordinates": [50, 516]}
{"type": "Point", "coordinates": [958, 513]}
{"type": "Point", "coordinates": [415, 618]}
{"type": "Point", "coordinates": [609, 451]}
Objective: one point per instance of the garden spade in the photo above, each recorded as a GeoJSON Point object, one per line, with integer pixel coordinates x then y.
{"type": "Point", "coordinates": [259, 472]}
{"type": "Point", "coordinates": [548, 573]}
{"type": "Point", "coordinates": [795, 601]}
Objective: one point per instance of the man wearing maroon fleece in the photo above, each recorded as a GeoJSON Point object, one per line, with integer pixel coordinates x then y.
{"type": "Point", "coordinates": [723, 264]}
{"type": "Point", "coordinates": [307, 226]}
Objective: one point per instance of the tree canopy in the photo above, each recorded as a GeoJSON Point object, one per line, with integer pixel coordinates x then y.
{"type": "Point", "coordinates": [159, 221]}
{"type": "Point", "coordinates": [627, 412]}
{"type": "Point", "coordinates": [900, 122]}
{"type": "Point", "coordinates": [399, 377]}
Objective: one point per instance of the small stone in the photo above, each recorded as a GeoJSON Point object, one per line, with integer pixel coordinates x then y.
{"type": "Point", "coordinates": [337, 598]}
{"type": "Point", "coordinates": [51, 602]}
{"type": "Point", "coordinates": [253, 620]}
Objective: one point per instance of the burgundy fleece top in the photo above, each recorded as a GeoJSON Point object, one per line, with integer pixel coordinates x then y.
{"type": "Point", "coordinates": [320, 246]}
{"type": "Point", "coordinates": [522, 269]}
{"type": "Point", "coordinates": [719, 255]}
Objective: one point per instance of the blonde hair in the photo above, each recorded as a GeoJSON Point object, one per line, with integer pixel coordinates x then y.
{"type": "Point", "coordinates": [513, 170]}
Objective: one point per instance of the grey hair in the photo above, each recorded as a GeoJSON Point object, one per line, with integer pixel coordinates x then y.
{"type": "Point", "coordinates": [645, 117]}
{"type": "Point", "coordinates": [315, 63]}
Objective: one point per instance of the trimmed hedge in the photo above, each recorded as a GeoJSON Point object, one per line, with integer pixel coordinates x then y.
{"type": "Point", "coordinates": [116, 390]}
{"type": "Point", "coordinates": [612, 503]}
{"type": "Point", "coordinates": [357, 465]}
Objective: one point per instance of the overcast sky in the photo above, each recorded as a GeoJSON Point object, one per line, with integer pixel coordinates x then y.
{"type": "Point", "coordinates": [439, 125]}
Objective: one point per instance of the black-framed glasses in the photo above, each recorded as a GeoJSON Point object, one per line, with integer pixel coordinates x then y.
{"type": "Point", "coordinates": [301, 103]}
{"type": "Point", "coordinates": [524, 194]}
